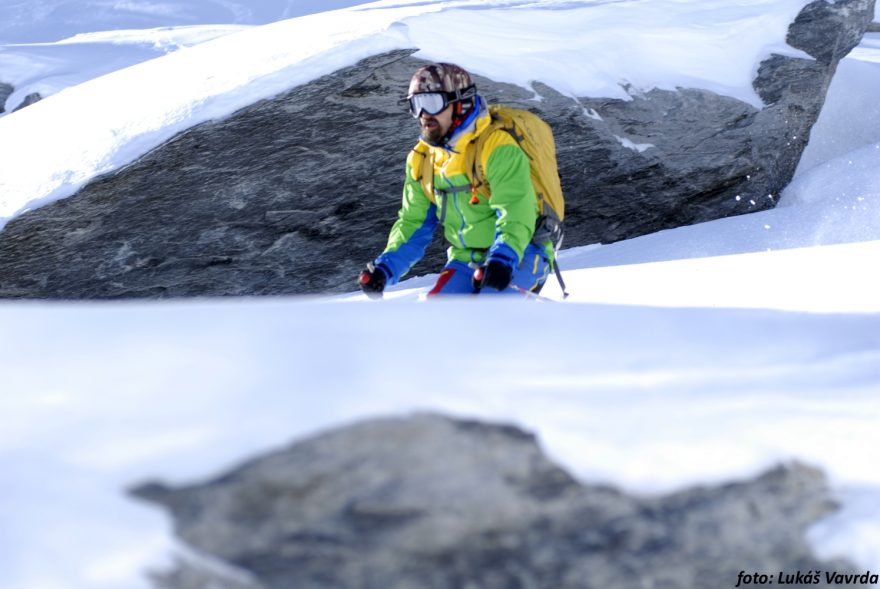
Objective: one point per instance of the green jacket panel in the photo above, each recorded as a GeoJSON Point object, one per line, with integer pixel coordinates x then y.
{"type": "Point", "coordinates": [413, 213]}
{"type": "Point", "coordinates": [513, 197]}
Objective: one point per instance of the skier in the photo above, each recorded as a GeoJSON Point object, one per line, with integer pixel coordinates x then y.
{"type": "Point", "coordinates": [492, 249]}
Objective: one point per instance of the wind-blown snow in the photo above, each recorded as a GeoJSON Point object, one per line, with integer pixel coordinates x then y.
{"type": "Point", "coordinates": [36, 21]}
{"type": "Point", "coordinates": [688, 356]}
{"type": "Point", "coordinates": [121, 115]}
{"type": "Point", "coordinates": [48, 68]}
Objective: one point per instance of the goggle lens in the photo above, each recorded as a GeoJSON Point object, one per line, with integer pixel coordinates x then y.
{"type": "Point", "coordinates": [431, 103]}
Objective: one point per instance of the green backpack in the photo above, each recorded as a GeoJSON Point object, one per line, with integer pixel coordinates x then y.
{"type": "Point", "coordinates": [535, 137]}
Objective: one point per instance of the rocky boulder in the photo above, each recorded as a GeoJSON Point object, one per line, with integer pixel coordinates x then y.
{"type": "Point", "coordinates": [295, 194]}
{"type": "Point", "coordinates": [431, 502]}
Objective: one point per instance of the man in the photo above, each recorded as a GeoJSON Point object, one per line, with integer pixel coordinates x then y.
{"type": "Point", "coordinates": [491, 239]}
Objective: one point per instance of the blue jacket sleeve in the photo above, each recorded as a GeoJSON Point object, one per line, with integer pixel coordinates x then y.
{"type": "Point", "coordinates": [399, 261]}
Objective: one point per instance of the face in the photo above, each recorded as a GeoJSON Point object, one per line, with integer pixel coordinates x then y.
{"type": "Point", "coordinates": [435, 127]}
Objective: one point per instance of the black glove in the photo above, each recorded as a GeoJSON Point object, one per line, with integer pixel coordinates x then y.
{"type": "Point", "coordinates": [495, 274]}
{"type": "Point", "coordinates": [372, 280]}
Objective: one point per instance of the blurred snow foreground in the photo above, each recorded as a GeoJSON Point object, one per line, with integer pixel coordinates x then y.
{"type": "Point", "coordinates": [98, 397]}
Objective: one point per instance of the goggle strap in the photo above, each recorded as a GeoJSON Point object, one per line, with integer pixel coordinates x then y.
{"type": "Point", "coordinates": [448, 98]}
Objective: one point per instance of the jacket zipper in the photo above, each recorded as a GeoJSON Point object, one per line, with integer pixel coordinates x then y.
{"type": "Point", "coordinates": [454, 193]}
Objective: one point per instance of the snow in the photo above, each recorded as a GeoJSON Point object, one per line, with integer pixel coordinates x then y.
{"type": "Point", "coordinates": [690, 356]}
{"type": "Point", "coordinates": [850, 117]}
{"type": "Point", "coordinates": [29, 21]}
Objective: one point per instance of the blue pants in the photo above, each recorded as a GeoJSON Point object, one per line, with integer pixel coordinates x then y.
{"type": "Point", "coordinates": [456, 278]}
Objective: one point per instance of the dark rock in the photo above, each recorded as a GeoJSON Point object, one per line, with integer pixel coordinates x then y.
{"type": "Point", "coordinates": [828, 32]}
{"type": "Point", "coordinates": [28, 100]}
{"type": "Point", "coordinates": [5, 91]}
{"type": "Point", "coordinates": [295, 194]}
{"type": "Point", "coordinates": [432, 502]}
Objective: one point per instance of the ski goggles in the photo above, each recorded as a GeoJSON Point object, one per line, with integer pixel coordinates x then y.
{"type": "Point", "coordinates": [433, 103]}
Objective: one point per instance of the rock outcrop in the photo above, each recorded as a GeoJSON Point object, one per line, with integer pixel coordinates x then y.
{"type": "Point", "coordinates": [431, 502]}
{"type": "Point", "coordinates": [29, 100]}
{"type": "Point", "coordinates": [295, 194]}
{"type": "Point", "coordinates": [5, 91]}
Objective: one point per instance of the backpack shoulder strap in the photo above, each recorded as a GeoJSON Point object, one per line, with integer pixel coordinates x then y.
{"type": "Point", "coordinates": [422, 165]}
{"type": "Point", "coordinates": [473, 161]}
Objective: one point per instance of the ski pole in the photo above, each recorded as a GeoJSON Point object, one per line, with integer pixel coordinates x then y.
{"type": "Point", "coordinates": [531, 295]}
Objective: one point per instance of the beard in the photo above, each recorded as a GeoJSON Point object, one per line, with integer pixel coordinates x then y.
{"type": "Point", "coordinates": [431, 130]}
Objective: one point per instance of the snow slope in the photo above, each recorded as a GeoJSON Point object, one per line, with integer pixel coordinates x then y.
{"type": "Point", "coordinates": [693, 355]}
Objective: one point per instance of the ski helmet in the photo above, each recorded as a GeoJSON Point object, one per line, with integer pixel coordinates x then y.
{"type": "Point", "coordinates": [439, 77]}
{"type": "Point", "coordinates": [450, 80]}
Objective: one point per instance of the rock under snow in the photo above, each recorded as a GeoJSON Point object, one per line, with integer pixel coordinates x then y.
{"type": "Point", "coordinates": [29, 100]}
{"type": "Point", "coordinates": [295, 194]}
{"type": "Point", "coordinates": [432, 502]}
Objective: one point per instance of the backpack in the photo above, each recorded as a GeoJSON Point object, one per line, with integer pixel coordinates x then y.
{"type": "Point", "coordinates": [535, 138]}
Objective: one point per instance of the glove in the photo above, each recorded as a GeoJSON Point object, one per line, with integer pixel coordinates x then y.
{"type": "Point", "coordinates": [372, 280]}
{"type": "Point", "coordinates": [495, 274]}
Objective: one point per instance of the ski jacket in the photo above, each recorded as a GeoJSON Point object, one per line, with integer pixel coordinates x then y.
{"type": "Point", "coordinates": [476, 228]}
